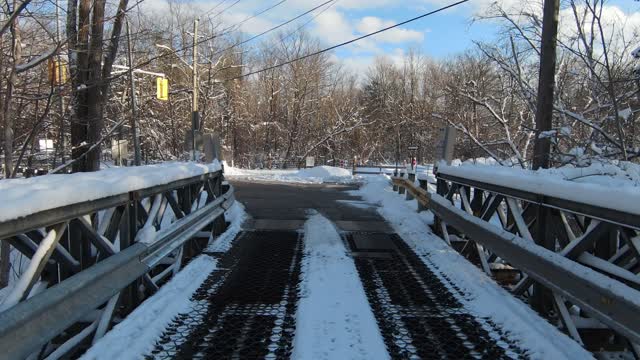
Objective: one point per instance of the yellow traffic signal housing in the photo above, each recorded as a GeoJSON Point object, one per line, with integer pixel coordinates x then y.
{"type": "Point", "coordinates": [162, 89]}
{"type": "Point", "coordinates": [57, 72]}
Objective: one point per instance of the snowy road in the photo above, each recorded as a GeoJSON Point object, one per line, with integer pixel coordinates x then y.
{"type": "Point", "coordinates": [318, 273]}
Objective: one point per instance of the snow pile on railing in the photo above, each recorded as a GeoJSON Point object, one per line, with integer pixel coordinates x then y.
{"type": "Point", "coordinates": [316, 175]}
{"type": "Point", "coordinates": [612, 186]}
{"type": "Point", "coordinates": [21, 197]}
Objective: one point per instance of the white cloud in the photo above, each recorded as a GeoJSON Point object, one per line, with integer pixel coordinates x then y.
{"type": "Point", "coordinates": [332, 26]}
{"type": "Point", "coordinates": [371, 24]}
{"type": "Point", "coordinates": [619, 28]}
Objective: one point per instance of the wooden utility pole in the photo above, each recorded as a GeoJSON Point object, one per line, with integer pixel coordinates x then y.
{"type": "Point", "coordinates": [546, 82]}
{"type": "Point", "coordinates": [195, 116]}
{"type": "Point", "coordinates": [135, 132]}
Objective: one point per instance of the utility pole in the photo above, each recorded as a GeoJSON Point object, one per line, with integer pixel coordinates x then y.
{"type": "Point", "coordinates": [542, 298]}
{"type": "Point", "coordinates": [134, 118]}
{"type": "Point", "coordinates": [546, 82]}
{"type": "Point", "coordinates": [195, 116]}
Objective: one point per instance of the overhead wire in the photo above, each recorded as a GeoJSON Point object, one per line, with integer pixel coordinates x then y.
{"type": "Point", "coordinates": [271, 29]}
{"type": "Point", "coordinates": [310, 20]}
{"type": "Point", "coordinates": [350, 41]}
{"type": "Point", "coordinates": [209, 38]}
{"type": "Point", "coordinates": [213, 8]}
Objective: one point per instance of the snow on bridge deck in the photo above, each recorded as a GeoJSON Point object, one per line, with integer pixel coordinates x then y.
{"type": "Point", "coordinates": [323, 292]}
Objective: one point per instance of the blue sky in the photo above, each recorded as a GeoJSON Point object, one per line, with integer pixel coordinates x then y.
{"type": "Point", "coordinates": [445, 33]}
{"type": "Point", "coordinates": [439, 36]}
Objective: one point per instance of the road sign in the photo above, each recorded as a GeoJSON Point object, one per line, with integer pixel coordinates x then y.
{"type": "Point", "coordinates": [310, 161]}
{"type": "Point", "coordinates": [119, 151]}
{"type": "Point", "coordinates": [412, 148]}
{"type": "Point", "coordinates": [446, 145]}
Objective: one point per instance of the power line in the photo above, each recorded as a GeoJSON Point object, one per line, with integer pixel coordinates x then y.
{"type": "Point", "coordinates": [225, 9]}
{"type": "Point", "coordinates": [271, 29]}
{"type": "Point", "coordinates": [173, 52]}
{"type": "Point", "coordinates": [213, 8]}
{"type": "Point", "coordinates": [223, 32]}
{"type": "Point", "coordinates": [350, 41]}
{"type": "Point", "coordinates": [310, 20]}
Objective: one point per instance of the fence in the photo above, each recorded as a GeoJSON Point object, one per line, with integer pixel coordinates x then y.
{"type": "Point", "coordinates": [102, 258]}
{"type": "Point", "coordinates": [575, 262]}
{"type": "Point", "coordinates": [388, 169]}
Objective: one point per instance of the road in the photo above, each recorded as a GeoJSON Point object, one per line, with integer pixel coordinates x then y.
{"type": "Point", "coordinates": [249, 307]}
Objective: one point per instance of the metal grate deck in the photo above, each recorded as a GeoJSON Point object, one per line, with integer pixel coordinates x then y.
{"type": "Point", "coordinates": [246, 311]}
{"type": "Point", "coordinates": [418, 315]}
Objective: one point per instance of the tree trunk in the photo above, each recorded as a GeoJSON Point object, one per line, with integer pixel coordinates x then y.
{"type": "Point", "coordinates": [79, 51]}
{"type": "Point", "coordinates": [5, 111]}
{"type": "Point", "coordinates": [7, 116]}
{"type": "Point", "coordinates": [542, 299]}
{"type": "Point", "coordinates": [90, 73]}
{"type": "Point", "coordinates": [546, 83]}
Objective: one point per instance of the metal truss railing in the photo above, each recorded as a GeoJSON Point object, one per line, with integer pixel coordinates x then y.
{"type": "Point", "coordinates": [575, 263]}
{"type": "Point", "coordinates": [94, 261]}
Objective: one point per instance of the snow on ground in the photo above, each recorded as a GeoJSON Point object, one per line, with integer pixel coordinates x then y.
{"type": "Point", "coordinates": [316, 175]}
{"type": "Point", "coordinates": [21, 197]}
{"type": "Point", "coordinates": [606, 185]}
{"type": "Point", "coordinates": [334, 319]}
{"type": "Point", "coordinates": [137, 334]}
{"type": "Point", "coordinates": [485, 297]}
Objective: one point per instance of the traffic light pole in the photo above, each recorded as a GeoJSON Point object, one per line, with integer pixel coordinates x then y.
{"type": "Point", "coordinates": [134, 116]}
{"type": "Point", "coordinates": [195, 116]}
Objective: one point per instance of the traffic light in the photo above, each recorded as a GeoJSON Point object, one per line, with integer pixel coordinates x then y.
{"type": "Point", "coordinates": [162, 89]}
{"type": "Point", "coordinates": [57, 72]}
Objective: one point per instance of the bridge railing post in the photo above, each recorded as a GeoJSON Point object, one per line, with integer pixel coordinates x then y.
{"type": "Point", "coordinates": [441, 189]}
{"type": "Point", "coordinates": [395, 186]}
{"type": "Point", "coordinates": [424, 184]}
{"type": "Point", "coordinates": [412, 178]}
{"type": "Point", "coordinates": [401, 189]}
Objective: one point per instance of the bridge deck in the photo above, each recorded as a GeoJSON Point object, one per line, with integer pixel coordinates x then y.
{"type": "Point", "coordinates": [250, 308]}
{"type": "Point", "coordinates": [317, 273]}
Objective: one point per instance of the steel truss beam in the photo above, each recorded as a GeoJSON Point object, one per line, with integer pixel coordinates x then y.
{"type": "Point", "coordinates": [604, 298]}
{"type": "Point", "coordinates": [589, 238]}
{"type": "Point", "coordinates": [104, 255]}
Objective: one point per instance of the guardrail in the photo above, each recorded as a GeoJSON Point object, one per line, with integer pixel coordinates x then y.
{"type": "Point", "coordinates": [374, 169]}
{"type": "Point", "coordinates": [91, 261]}
{"type": "Point", "coordinates": [385, 169]}
{"type": "Point", "coordinates": [576, 263]}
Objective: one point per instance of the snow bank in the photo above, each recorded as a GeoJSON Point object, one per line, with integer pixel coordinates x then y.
{"type": "Point", "coordinates": [316, 175]}
{"type": "Point", "coordinates": [334, 319]}
{"type": "Point", "coordinates": [605, 185]}
{"type": "Point", "coordinates": [481, 296]}
{"type": "Point", "coordinates": [137, 334]}
{"type": "Point", "coordinates": [21, 197]}
{"type": "Point", "coordinates": [324, 172]}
